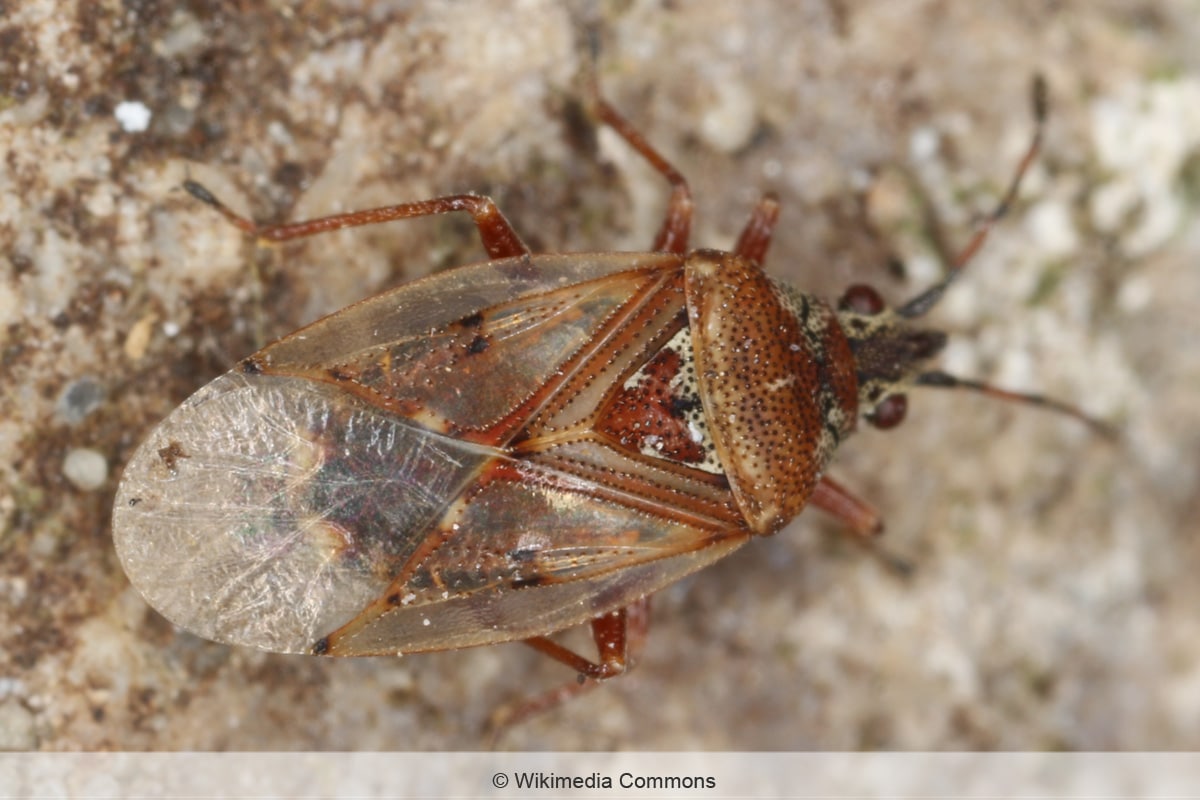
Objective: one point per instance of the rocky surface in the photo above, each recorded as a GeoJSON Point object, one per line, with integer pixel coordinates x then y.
{"type": "Point", "coordinates": [1053, 604]}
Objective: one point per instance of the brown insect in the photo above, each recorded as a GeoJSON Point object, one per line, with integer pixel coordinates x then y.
{"type": "Point", "coordinates": [506, 450]}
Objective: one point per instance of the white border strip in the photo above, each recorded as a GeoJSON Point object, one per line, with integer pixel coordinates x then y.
{"type": "Point", "coordinates": [600, 775]}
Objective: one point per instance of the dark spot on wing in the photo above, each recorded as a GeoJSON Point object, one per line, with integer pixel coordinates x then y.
{"type": "Point", "coordinates": [171, 454]}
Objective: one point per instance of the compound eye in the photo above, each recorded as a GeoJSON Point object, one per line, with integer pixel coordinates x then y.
{"type": "Point", "coordinates": [890, 412]}
{"type": "Point", "coordinates": [861, 299]}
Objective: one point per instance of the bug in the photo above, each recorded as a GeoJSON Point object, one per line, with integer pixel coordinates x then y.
{"type": "Point", "coordinates": [510, 449]}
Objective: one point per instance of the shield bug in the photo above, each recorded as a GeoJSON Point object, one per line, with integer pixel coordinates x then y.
{"type": "Point", "coordinates": [506, 450]}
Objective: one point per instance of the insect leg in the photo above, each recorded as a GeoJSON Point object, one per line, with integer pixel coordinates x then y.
{"type": "Point", "coordinates": [859, 517]}
{"type": "Point", "coordinates": [497, 235]}
{"type": "Point", "coordinates": [673, 235]}
{"type": "Point", "coordinates": [862, 521]}
{"type": "Point", "coordinates": [619, 635]}
{"type": "Point", "coordinates": [756, 236]}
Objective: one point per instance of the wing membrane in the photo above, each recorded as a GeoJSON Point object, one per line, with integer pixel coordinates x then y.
{"type": "Point", "coordinates": [421, 470]}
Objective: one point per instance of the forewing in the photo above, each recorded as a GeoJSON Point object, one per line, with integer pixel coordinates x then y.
{"type": "Point", "coordinates": [474, 351]}
{"type": "Point", "coordinates": [267, 511]}
{"type": "Point", "coordinates": [300, 491]}
{"type": "Point", "coordinates": [528, 551]}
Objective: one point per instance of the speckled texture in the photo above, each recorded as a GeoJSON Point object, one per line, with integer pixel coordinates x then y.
{"type": "Point", "coordinates": [1054, 601]}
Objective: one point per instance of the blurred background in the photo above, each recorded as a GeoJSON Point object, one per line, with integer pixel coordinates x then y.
{"type": "Point", "coordinates": [1053, 603]}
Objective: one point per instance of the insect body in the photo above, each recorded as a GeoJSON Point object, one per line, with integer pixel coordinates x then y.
{"type": "Point", "coordinates": [506, 450]}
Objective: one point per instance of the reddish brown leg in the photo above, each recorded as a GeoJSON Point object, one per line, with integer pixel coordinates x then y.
{"type": "Point", "coordinates": [756, 236]}
{"type": "Point", "coordinates": [495, 231]}
{"type": "Point", "coordinates": [619, 635]}
{"type": "Point", "coordinates": [861, 520]}
{"type": "Point", "coordinates": [673, 235]}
